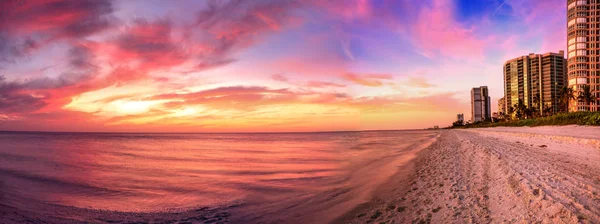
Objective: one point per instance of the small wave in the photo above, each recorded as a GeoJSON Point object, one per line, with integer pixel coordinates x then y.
{"type": "Point", "coordinates": [58, 183]}
{"type": "Point", "coordinates": [53, 213]}
{"type": "Point", "coordinates": [370, 145]}
{"type": "Point", "coordinates": [295, 179]}
{"type": "Point", "coordinates": [258, 173]}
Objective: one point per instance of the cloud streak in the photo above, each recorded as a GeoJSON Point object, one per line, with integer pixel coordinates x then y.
{"type": "Point", "coordinates": [29, 25]}
{"type": "Point", "coordinates": [372, 80]}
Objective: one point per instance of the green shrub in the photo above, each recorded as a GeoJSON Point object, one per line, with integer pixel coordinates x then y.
{"type": "Point", "coordinates": [593, 119]}
{"type": "Point", "coordinates": [580, 118]}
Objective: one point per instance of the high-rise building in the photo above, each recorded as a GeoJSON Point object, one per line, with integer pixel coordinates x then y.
{"type": "Point", "coordinates": [536, 80]}
{"type": "Point", "coordinates": [480, 104]}
{"type": "Point", "coordinates": [502, 105]}
{"type": "Point", "coordinates": [460, 118]}
{"type": "Point", "coordinates": [583, 41]}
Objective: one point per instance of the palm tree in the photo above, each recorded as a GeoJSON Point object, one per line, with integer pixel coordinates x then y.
{"type": "Point", "coordinates": [532, 112]}
{"type": "Point", "coordinates": [520, 109]}
{"type": "Point", "coordinates": [535, 101]}
{"type": "Point", "coordinates": [567, 94]}
{"type": "Point", "coordinates": [586, 96]}
{"type": "Point", "coordinates": [551, 110]}
{"type": "Point", "coordinates": [502, 116]}
{"type": "Point", "coordinates": [547, 110]}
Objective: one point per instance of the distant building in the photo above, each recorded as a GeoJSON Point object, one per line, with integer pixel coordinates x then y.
{"type": "Point", "coordinates": [480, 104]}
{"type": "Point", "coordinates": [460, 118]}
{"type": "Point", "coordinates": [536, 80]}
{"type": "Point", "coordinates": [502, 105]}
{"type": "Point", "coordinates": [583, 41]}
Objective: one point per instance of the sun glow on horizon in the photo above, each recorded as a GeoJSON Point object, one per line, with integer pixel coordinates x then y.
{"type": "Point", "coordinates": [132, 107]}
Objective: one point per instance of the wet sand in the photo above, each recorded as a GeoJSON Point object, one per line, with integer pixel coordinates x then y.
{"type": "Point", "coordinates": [495, 175]}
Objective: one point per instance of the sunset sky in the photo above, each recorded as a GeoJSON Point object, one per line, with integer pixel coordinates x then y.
{"type": "Point", "coordinates": [237, 66]}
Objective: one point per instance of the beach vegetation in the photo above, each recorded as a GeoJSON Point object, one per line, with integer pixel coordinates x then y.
{"type": "Point", "coordinates": [586, 95]}
{"type": "Point", "coordinates": [566, 94]}
{"type": "Point", "coordinates": [574, 118]}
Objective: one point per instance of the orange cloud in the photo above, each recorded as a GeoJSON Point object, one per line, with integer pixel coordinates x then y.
{"type": "Point", "coordinates": [372, 80]}
{"type": "Point", "coordinates": [321, 84]}
{"type": "Point", "coordinates": [310, 84]}
{"type": "Point", "coordinates": [419, 82]}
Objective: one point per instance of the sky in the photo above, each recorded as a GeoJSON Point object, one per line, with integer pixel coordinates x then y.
{"type": "Point", "coordinates": [259, 66]}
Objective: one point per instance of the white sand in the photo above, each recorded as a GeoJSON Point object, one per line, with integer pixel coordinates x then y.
{"type": "Point", "coordinates": [515, 175]}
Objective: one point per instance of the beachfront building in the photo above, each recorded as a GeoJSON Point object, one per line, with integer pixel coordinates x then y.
{"type": "Point", "coordinates": [583, 41]}
{"type": "Point", "coordinates": [502, 106]}
{"type": "Point", "coordinates": [460, 118]}
{"type": "Point", "coordinates": [536, 80]}
{"type": "Point", "coordinates": [480, 104]}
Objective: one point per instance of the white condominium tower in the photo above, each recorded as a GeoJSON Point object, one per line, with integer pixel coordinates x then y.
{"type": "Point", "coordinates": [583, 51]}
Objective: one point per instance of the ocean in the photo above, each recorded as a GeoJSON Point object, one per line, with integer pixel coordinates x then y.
{"type": "Point", "coordinates": [263, 177]}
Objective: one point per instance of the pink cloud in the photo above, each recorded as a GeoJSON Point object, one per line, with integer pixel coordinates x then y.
{"type": "Point", "coordinates": [232, 97]}
{"type": "Point", "coordinates": [550, 27]}
{"type": "Point", "coordinates": [309, 84]}
{"type": "Point", "coordinates": [432, 102]}
{"type": "Point", "coordinates": [30, 25]}
{"type": "Point", "coordinates": [280, 77]}
{"type": "Point", "coordinates": [222, 91]}
{"type": "Point", "coordinates": [419, 82]}
{"type": "Point", "coordinates": [347, 9]}
{"type": "Point", "coordinates": [372, 80]}
{"type": "Point", "coordinates": [437, 33]}
{"type": "Point", "coordinates": [57, 17]}
{"type": "Point", "coordinates": [149, 46]}
{"type": "Point", "coordinates": [321, 84]}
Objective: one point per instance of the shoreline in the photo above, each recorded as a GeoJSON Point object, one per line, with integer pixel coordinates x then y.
{"type": "Point", "coordinates": [389, 196]}
{"type": "Point", "coordinates": [328, 212]}
{"type": "Point", "coordinates": [511, 175]}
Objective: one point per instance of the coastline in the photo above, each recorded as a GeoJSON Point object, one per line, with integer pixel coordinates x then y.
{"type": "Point", "coordinates": [545, 174]}
{"type": "Point", "coordinates": [514, 175]}
{"type": "Point", "coordinates": [389, 197]}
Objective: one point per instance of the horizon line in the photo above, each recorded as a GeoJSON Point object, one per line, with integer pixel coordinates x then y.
{"type": "Point", "coordinates": [249, 132]}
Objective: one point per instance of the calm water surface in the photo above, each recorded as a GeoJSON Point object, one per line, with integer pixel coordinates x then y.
{"type": "Point", "coordinates": [301, 176]}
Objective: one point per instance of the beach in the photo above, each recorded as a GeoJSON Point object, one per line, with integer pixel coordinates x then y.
{"type": "Point", "coordinates": [545, 174]}
{"type": "Point", "coordinates": [492, 175]}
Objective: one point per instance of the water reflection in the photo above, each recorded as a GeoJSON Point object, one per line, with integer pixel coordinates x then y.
{"type": "Point", "coordinates": [268, 173]}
